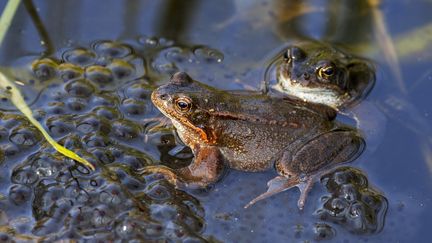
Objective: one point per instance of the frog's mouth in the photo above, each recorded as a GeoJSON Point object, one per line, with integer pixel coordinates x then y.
{"type": "Point", "coordinates": [317, 94]}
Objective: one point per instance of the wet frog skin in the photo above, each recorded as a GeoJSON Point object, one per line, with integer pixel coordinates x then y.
{"type": "Point", "coordinates": [254, 132]}
{"type": "Point", "coordinates": [320, 73]}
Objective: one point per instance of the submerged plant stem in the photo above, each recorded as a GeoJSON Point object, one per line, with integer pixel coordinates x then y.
{"type": "Point", "coordinates": [17, 99]}
{"type": "Point", "coordinates": [7, 16]}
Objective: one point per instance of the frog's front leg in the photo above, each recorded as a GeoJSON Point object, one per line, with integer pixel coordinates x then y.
{"type": "Point", "coordinates": [310, 160]}
{"type": "Point", "coordinates": [205, 169]}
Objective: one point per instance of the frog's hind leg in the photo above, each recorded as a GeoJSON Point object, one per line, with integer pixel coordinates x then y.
{"type": "Point", "coordinates": [275, 185]}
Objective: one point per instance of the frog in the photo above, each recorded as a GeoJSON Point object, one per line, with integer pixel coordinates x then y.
{"type": "Point", "coordinates": [319, 72]}
{"type": "Point", "coordinates": [253, 132]}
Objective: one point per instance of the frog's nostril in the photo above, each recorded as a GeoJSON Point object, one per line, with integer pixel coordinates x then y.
{"type": "Point", "coordinates": [163, 96]}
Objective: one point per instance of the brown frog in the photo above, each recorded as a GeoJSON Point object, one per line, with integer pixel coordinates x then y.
{"type": "Point", "coordinates": [320, 73]}
{"type": "Point", "coordinates": [253, 132]}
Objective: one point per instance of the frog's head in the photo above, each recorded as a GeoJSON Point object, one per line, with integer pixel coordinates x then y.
{"type": "Point", "coordinates": [319, 73]}
{"type": "Point", "coordinates": [186, 103]}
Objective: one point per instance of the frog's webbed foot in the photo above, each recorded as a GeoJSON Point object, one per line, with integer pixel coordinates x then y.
{"type": "Point", "coordinates": [167, 172]}
{"type": "Point", "coordinates": [281, 183]}
{"type": "Point", "coordinates": [275, 185]}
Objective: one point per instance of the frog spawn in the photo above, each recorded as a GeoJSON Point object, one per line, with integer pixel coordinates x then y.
{"type": "Point", "coordinates": [352, 203]}
{"type": "Point", "coordinates": [95, 102]}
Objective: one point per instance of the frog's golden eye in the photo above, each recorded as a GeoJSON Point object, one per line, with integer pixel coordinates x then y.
{"type": "Point", "coordinates": [183, 104]}
{"type": "Point", "coordinates": [326, 72]}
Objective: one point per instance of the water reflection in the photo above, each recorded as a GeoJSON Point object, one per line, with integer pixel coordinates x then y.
{"type": "Point", "coordinates": [175, 17]}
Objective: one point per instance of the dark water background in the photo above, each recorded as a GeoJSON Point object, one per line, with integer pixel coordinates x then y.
{"type": "Point", "coordinates": [230, 42]}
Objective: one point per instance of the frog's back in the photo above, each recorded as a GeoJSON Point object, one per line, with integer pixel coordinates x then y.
{"type": "Point", "coordinates": [253, 139]}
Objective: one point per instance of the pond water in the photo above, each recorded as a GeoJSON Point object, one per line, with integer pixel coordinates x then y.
{"type": "Point", "coordinates": [87, 69]}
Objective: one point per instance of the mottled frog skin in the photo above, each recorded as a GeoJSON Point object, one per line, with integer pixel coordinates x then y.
{"type": "Point", "coordinates": [254, 132]}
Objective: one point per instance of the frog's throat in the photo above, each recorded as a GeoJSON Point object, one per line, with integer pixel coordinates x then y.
{"type": "Point", "coordinates": [181, 122]}
{"type": "Point", "coordinates": [315, 95]}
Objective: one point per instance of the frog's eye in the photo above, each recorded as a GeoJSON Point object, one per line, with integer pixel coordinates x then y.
{"type": "Point", "coordinates": [326, 72]}
{"type": "Point", "coordinates": [183, 104]}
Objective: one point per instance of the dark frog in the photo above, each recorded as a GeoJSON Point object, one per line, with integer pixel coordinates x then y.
{"type": "Point", "coordinates": [320, 73]}
{"type": "Point", "coordinates": [253, 132]}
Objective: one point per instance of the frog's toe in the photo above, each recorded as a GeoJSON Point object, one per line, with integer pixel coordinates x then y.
{"type": "Point", "coordinates": [304, 186]}
{"type": "Point", "coordinates": [275, 185]}
{"type": "Point", "coordinates": [167, 172]}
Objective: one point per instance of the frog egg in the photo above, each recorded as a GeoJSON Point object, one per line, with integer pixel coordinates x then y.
{"type": "Point", "coordinates": [125, 130]}
{"type": "Point", "coordinates": [135, 161]}
{"type": "Point", "coordinates": [44, 69]}
{"type": "Point", "coordinates": [24, 135]}
{"type": "Point", "coordinates": [324, 232]}
{"type": "Point", "coordinates": [19, 194]}
{"type": "Point", "coordinates": [10, 149]}
{"type": "Point", "coordinates": [149, 41]}
{"type": "Point", "coordinates": [79, 56]}
{"type": "Point", "coordinates": [56, 108]}
{"type": "Point", "coordinates": [139, 91]}
{"type": "Point", "coordinates": [24, 176]}
{"type": "Point", "coordinates": [57, 126]}
{"type": "Point", "coordinates": [132, 107]}
{"type": "Point", "coordinates": [45, 166]}
{"type": "Point", "coordinates": [70, 71]}
{"type": "Point", "coordinates": [99, 74]}
{"type": "Point", "coordinates": [178, 54]}
{"type": "Point", "coordinates": [95, 140]}
{"type": "Point", "coordinates": [163, 66]}
{"type": "Point", "coordinates": [112, 49]}
{"type": "Point", "coordinates": [6, 238]}
{"type": "Point", "coordinates": [109, 113]}
{"type": "Point", "coordinates": [158, 191]}
{"type": "Point", "coordinates": [112, 195]}
{"type": "Point", "coordinates": [101, 217]}
{"type": "Point", "coordinates": [103, 156]}
{"type": "Point", "coordinates": [79, 88]}
{"type": "Point", "coordinates": [92, 124]}
{"type": "Point", "coordinates": [133, 184]}
{"type": "Point", "coordinates": [121, 69]}
{"type": "Point", "coordinates": [76, 104]}
{"type": "Point", "coordinates": [76, 192]}
{"type": "Point", "coordinates": [208, 55]}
